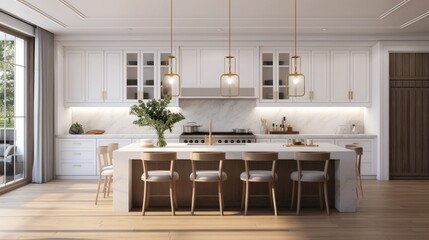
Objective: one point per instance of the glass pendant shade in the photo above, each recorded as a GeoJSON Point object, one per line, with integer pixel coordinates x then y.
{"type": "Point", "coordinates": [171, 80]}
{"type": "Point", "coordinates": [229, 81]}
{"type": "Point", "coordinates": [296, 80]}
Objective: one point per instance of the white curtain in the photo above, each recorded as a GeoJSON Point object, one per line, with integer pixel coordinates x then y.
{"type": "Point", "coordinates": [44, 137]}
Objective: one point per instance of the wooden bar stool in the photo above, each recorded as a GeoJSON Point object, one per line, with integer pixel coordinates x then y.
{"type": "Point", "coordinates": [110, 148]}
{"type": "Point", "coordinates": [359, 151]}
{"type": "Point", "coordinates": [204, 176]}
{"type": "Point", "coordinates": [268, 176]}
{"type": "Point", "coordinates": [152, 176]}
{"type": "Point", "coordinates": [320, 177]}
{"type": "Point", "coordinates": [102, 156]}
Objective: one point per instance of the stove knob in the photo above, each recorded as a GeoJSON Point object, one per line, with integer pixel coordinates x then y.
{"type": "Point", "coordinates": [219, 141]}
{"type": "Point", "coordinates": [202, 141]}
{"type": "Point", "coordinates": [185, 141]}
{"type": "Point", "coordinates": [196, 141]}
{"type": "Point", "coordinates": [249, 141]}
{"type": "Point", "coordinates": [232, 141]}
{"type": "Point", "coordinates": [226, 141]}
{"type": "Point", "coordinates": [238, 141]}
{"type": "Point", "coordinates": [190, 141]}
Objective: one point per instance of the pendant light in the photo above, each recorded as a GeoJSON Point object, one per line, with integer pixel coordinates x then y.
{"type": "Point", "coordinates": [171, 80]}
{"type": "Point", "coordinates": [229, 81]}
{"type": "Point", "coordinates": [296, 80]}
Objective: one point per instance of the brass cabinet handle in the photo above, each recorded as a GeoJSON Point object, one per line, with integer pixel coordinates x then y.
{"type": "Point", "coordinates": [351, 95]}
{"type": "Point", "coordinates": [77, 154]}
{"type": "Point", "coordinates": [76, 165]}
{"type": "Point", "coordinates": [311, 95]}
{"type": "Point", "coordinates": [76, 143]}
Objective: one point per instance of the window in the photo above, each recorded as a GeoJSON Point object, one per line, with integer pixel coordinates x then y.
{"type": "Point", "coordinates": [12, 107]}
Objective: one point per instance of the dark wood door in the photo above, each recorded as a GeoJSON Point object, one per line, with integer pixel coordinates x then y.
{"type": "Point", "coordinates": [409, 116]}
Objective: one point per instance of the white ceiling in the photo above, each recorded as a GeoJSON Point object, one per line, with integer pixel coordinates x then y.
{"type": "Point", "coordinates": [209, 17]}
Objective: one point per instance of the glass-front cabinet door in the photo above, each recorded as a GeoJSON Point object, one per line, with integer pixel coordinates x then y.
{"type": "Point", "coordinates": [148, 76]}
{"type": "Point", "coordinates": [132, 67]}
{"type": "Point", "coordinates": [275, 68]}
{"type": "Point", "coordinates": [163, 69]}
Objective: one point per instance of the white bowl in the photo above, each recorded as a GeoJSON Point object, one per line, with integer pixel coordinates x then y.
{"type": "Point", "coordinates": [146, 141]}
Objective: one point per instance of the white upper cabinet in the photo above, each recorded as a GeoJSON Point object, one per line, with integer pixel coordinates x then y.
{"type": "Point", "coordinates": [94, 76]}
{"type": "Point", "coordinates": [350, 76]}
{"type": "Point", "coordinates": [319, 90]}
{"type": "Point", "coordinates": [74, 75]}
{"type": "Point", "coordinates": [113, 76]}
{"type": "Point", "coordinates": [201, 68]}
{"type": "Point", "coordinates": [103, 76]}
{"type": "Point", "coordinates": [359, 84]}
{"type": "Point", "coordinates": [340, 69]}
{"type": "Point", "coordinates": [212, 66]}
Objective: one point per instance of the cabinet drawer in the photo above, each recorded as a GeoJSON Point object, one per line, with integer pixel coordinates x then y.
{"type": "Point", "coordinates": [77, 156]}
{"type": "Point", "coordinates": [78, 144]}
{"type": "Point", "coordinates": [76, 169]}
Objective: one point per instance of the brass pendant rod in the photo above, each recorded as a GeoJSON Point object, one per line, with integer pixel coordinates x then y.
{"type": "Point", "coordinates": [229, 28]}
{"type": "Point", "coordinates": [171, 37]}
{"type": "Point", "coordinates": [295, 29]}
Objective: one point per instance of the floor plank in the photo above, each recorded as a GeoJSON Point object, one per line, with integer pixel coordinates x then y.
{"type": "Point", "coordinates": [64, 209]}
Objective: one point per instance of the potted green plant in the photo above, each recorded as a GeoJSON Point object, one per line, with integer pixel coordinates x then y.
{"type": "Point", "coordinates": [155, 114]}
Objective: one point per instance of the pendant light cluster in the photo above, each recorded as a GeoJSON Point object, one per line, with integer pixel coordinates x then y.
{"type": "Point", "coordinates": [296, 80]}
{"type": "Point", "coordinates": [229, 81]}
{"type": "Point", "coordinates": [171, 80]}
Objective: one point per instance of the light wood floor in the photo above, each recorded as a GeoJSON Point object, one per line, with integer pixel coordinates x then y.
{"type": "Point", "coordinates": [66, 210]}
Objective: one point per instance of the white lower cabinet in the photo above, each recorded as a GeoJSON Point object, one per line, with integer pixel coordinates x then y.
{"type": "Point", "coordinates": [76, 157]}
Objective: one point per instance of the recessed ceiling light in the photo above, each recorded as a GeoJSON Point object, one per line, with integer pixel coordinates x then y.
{"type": "Point", "coordinates": [219, 29]}
{"type": "Point", "coordinates": [130, 29]}
{"type": "Point", "coordinates": [324, 29]}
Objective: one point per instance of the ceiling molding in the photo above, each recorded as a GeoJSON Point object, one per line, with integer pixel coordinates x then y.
{"type": "Point", "coordinates": [393, 9]}
{"type": "Point", "coordinates": [414, 20]}
{"type": "Point", "coordinates": [73, 8]}
{"type": "Point", "coordinates": [38, 10]}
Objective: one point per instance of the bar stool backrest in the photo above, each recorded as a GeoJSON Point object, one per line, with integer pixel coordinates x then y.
{"type": "Point", "coordinates": [260, 157]}
{"type": "Point", "coordinates": [207, 157]}
{"type": "Point", "coordinates": [102, 156]}
{"type": "Point", "coordinates": [110, 148]}
{"type": "Point", "coordinates": [312, 156]}
{"type": "Point", "coordinates": [158, 156]}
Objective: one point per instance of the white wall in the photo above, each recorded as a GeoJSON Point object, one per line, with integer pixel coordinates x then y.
{"type": "Point", "coordinates": [225, 114]}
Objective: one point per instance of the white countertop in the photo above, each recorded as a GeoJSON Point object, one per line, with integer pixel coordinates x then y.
{"type": "Point", "coordinates": [176, 136]}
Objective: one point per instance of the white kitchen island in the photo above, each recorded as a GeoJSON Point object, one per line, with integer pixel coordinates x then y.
{"type": "Point", "coordinates": [344, 161]}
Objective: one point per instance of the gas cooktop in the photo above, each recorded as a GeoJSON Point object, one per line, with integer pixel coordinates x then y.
{"type": "Point", "coordinates": [218, 133]}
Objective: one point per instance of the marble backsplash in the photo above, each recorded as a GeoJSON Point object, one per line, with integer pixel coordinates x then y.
{"type": "Point", "coordinates": [226, 115]}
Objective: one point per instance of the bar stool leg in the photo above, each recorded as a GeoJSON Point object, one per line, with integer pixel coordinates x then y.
{"type": "Point", "coordinates": [105, 186]}
{"type": "Point", "coordinates": [193, 198]}
{"type": "Point", "coordinates": [108, 185]}
{"type": "Point", "coordinates": [321, 195]}
{"type": "Point", "coordinates": [144, 198]}
{"type": "Point", "coordinates": [325, 190]}
{"type": "Point", "coordinates": [247, 198]}
{"type": "Point", "coordinates": [243, 195]}
{"type": "Point", "coordinates": [171, 198]}
{"type": "Point", "coordinates": [293, 195]}
{"type": "Point", "coordinates": [147, 195]}
{"type": "Point", "coordinates": [98, 189]}
{"type": "Point", "coordinates": [175, 196]}
{"type": "Point", "coordinates": [220, 197]}
{"type": "Point", "coordinates": [298, 202]}
{"type": "Point", "coordinates": [273, 193]}
{"type": "Point", "coordinates": [270, 194]}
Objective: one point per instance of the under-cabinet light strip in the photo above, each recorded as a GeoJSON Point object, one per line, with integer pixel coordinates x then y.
{"type": "Point", "coordinates": [396, 7]}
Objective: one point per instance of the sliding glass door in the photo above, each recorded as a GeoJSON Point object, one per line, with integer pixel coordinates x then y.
{"type": "Point", "coordinates": [12, 108]}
